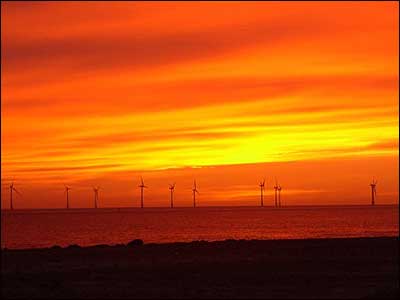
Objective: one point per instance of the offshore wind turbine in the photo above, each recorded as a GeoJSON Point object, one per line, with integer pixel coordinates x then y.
{"type": "Point", "coordinates": [172, 188]}
{"type": "Point", "coordinates": [67, 188]}
{"type": "Point", "coordinates": [194, 189]}
{"type": "Point", "coordinates": [276, 192]}
{"type": "Point", "coordinates": [142, 186]}
{"type": "Point", "coordinates": [12, 189]}
{"type": "Point", "coordinates": [279, 195]}
{"type": "Point", "coordinates": [373, 191]}
{"type": "Point", "coordinates": [262, 187]}
{"type": "Point", "coordinates": [96, 196]}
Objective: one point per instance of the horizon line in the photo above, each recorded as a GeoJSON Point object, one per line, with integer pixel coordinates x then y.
{"type": "Point", "coordinates": [204, 206]}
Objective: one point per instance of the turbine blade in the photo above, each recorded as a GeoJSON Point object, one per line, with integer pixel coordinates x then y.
{"type": "Point", "coordinates": [16, 191]}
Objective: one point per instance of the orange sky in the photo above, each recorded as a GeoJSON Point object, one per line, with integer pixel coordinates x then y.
{"type": "Point", "coordinates": [226, 92]}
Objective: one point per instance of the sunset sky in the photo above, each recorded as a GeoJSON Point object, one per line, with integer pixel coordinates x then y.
{"type": "Point", "coordinates": [97, 93]}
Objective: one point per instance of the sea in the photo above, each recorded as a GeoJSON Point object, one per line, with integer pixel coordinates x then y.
{"type": "Point", "coordinates": [21, 229]}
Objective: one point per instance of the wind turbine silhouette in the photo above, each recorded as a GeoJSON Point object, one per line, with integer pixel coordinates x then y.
{"type": "Point", "coordinates": [276, 192]}
{"type": "Point", "coordinates": [172, 188]}
{"type": "Point", "coordinates": [194, 189]}
{"type": "Point", "coordinates": [142, 186]}
{"type": "Point", "coordinates": [12, 189]}
{"type": "Point", "coordinates": [279, 195]}
{"type": "Point", "coordinates": [96, 195]}
{"type": "Point", "coordinates": [262, 187]}
{"type": "Point", "coordinates": [373, 190]}
{"type": "Point", "coordinates": [67, 188]}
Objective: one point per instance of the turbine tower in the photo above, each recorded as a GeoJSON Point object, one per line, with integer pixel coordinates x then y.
{"type": "Point", "coordinates": [279, 195]}
{"type": "Point", "coordinates": [96, 196]}
{"type": "Point", "coordinates": [262, 187]}
{"type": "Point", "coordinates": [373, 191]}
{"type": "Point", "coordinates": [172, 188]}
{"type": "Point", "coordinates": [142, 186]}
{"type": "Point", "coordinates": [194, 193]}
{"type": "Point", "coordinates": [12, 189]}
{"type": "Point", "coordinates": [276, 192]}
{"type": "Point", "coordinates": [67, 188]}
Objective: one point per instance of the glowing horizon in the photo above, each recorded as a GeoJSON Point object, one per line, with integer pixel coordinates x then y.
{"type": "Point", "coordinates": [101, 93]}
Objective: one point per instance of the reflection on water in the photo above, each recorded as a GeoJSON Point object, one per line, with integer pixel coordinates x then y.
{"type": "Point", "coordinates": [43, 228]}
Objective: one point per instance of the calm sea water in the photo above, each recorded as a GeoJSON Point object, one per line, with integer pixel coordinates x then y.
{"type": "Point", "coordinates": [43, 228]}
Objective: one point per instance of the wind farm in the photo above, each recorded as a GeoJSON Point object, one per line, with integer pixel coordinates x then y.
{"type": "Point", "coordinates": [275, 198]}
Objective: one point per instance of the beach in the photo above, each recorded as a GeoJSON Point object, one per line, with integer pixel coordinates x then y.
{"type": "Point", "coordinates": [293, 268]}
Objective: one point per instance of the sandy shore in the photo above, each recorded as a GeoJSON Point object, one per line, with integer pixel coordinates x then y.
{"type": "Point", "coordinates": [320, 268]}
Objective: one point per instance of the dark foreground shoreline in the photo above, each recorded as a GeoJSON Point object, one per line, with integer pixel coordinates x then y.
{"type": "Point", "coordinates": [315, 268]}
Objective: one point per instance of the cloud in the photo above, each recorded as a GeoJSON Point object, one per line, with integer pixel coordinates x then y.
{"type": "Point", "coordinates": [62, 169]}
{"type": "Point", "coordinates": [202, 92]}
{"type": "Point", "coordinates": [138, 50]}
